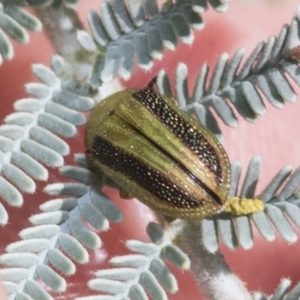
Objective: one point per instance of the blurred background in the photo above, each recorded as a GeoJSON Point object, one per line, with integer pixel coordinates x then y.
{"type": "Point", "coordinates": [275, 137]}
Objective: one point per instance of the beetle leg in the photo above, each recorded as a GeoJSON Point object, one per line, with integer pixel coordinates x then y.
{"type": "Point", "coordinates": [125, 195]}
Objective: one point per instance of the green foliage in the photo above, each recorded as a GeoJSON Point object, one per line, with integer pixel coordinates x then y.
{"type": "Point", "coordinates": [34, 137]}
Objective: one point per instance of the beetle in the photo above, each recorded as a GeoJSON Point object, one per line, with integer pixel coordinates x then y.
{"type": "Point", "coordinates": [159, 154]}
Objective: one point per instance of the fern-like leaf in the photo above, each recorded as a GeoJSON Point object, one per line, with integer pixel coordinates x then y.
{"type": "Point", "coordinates": [142, 30]}
{"type": "Point", "coordinates": [30, 137]}
{"type": "Point", "coordinates": [55, 3]}
{"type": "Point", "coordinates": [281, 292]}
{"type": "Point", "coordinates": [137, 275]}
{"type": "Point", "coordinates": [281, 209]}
{"type": "Point", "coordinates": [57, 231]}
{"type": "Point", "coordinates": [233, 84]}
{"type": "Point", "coordinates": [13, 21]}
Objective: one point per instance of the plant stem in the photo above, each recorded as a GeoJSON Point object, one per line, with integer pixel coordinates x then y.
{"type": "Point", "coordinates": [61, 24]}
{"type": "Point", "coordinates": [210, 270]}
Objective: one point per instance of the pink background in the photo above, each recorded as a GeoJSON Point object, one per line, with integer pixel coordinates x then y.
{"type": "Point", "coordinates": [274, 137]}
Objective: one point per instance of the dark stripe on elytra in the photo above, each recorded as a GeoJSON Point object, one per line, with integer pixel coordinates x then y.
{"type": "Point", "coordinates": [146, 177]}
{"type": "Point", "coordinates": [193, 139]}
{"type": "Point", "coordinates": [211, 193]}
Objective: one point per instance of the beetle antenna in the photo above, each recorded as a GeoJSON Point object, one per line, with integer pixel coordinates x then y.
{"type": "Point", "coordinates": [152, 82]}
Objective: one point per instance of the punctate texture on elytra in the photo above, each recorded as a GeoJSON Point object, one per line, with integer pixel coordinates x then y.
{"type": "Point", "coordinates": [159, 154]}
